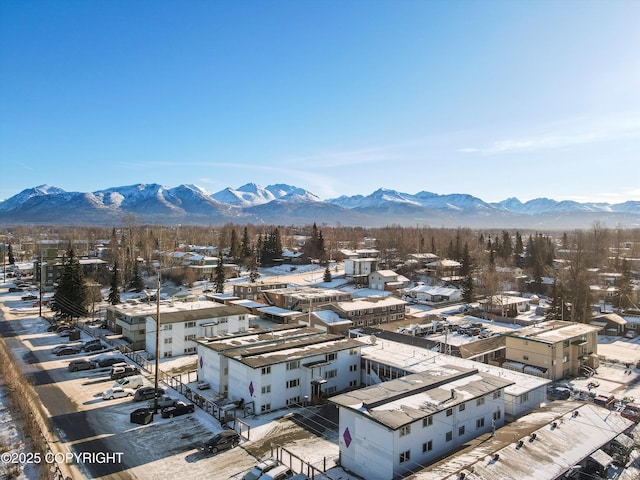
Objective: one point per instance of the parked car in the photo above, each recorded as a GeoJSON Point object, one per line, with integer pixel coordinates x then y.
{"type": "Point", "coordinates": [109, 361]}
{"type": "Point", "coordinates": [132, 381]}
{"type": "Point", "coordinates": [281, 472]}
{"type": "Point", "coordinates": [57, 348]}
{"type": "Point", "coordinates": [68, 332]}
{"type": "Point", "coordinates": [94, 347]}
{"type": "Point", "coordinates": [69, 350]}
{"type": "Point", "coordinates": [118, 372]}
{"type": "Point", "coordinates": [81, 364]}
{"type": "Point", "coordinates": [117, 392]}
{"type": "Point", "coordinates": [260, 468]}
{"type": "Point", "coordinates": [221, 441]}
{"type": "Point", "coordinates": [164, 401]}
{"type": "Point", "coordinates": [93, 341]}
{"type": "Point", "coordinates": [16, 289]}
{"type": "Point", "coordinates": [62, 326]}
{"type": "Point", "coordinates": [203, 386]}
{"type": "Point", "coordinates": [559, 393]}
{"type": "Point", "coordinates": [31, 296]}
{"type": "Point", "coordinates": [179, 408]}
{"type": "Point", "coordinates": [146, 393]}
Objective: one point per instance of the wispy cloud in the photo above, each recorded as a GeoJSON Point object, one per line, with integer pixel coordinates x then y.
{"type": "Point", "coordinates": [566, 134]}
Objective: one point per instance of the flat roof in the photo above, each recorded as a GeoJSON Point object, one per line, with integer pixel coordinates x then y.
{"type": "Point", "coordinates": [404, 400]}
{"type": "Point", "coordinates": [416, 359]}
{"type": "Point", "coordinates": [256, 337]}
{"type": "Point", "coordinates": [279, 312]}
{"type": "Point", "coordinates": [370, 302]}
{"type": "Point", "coordinates": [177, 311]}
{"type": "Point", "coordinates": [580, 430]}
{"type": "Point", "coordinates": [554, 331]}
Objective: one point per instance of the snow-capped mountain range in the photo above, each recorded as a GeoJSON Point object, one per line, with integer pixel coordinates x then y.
{"type": "Point", "coordinates": [289, 205]}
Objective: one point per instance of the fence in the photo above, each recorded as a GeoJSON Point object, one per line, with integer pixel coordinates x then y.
{"type": "Point", "coordinates": [296, 463]}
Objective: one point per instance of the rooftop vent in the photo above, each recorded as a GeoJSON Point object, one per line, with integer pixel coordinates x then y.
{"type": "Point", "coordinates": [575, 414]}
{"type": "Point", "coordinates": [496, 457]}
{"type": "Point", "coordinates": [554, 425]}
{"type": "Point", "coordinates": [520, 444]}
{"type": "Point", "coordinates": [533, 437]}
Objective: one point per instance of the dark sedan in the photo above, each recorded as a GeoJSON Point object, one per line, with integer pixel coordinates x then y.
{"type": "Point", "coordinates": [222, 441]}
{"type": "Point", "coordinates": [68, 351]}
{"type": "Point", "coordinates": [179, 408]}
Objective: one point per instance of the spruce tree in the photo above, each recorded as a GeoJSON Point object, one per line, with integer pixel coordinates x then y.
{"type": "Point", "coordinates": [12, 258]}
{"type": "Point", "coordinates": [219, 277]}
{"type": "Point", "coordinates": [467, 289]}
{"type": "Point", "coordinates": [137, 284]}
{"type": "Point", "coordinates": [245, 247]}
{"type": "Point", "coordinates": [114, 292]}
{"type": "Point", "coordinates": [71, 296]}
{"type": "Point", "coordinates": [235, 248]}
{"type": "Point", "coordinates": [254, 274]}
{"type": "Point", "coordinates": [327, 275]}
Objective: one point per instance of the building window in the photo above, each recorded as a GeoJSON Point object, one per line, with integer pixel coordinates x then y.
{"type": "Point", "coordinates": [266, 389]}
{"type": "Point", "coordinates": [329, 357]}
{"type": "Point", "coordinates": [405, 456]}
{"type": "Point", "coordinates": [225, 372]}
{"type": "Point", "coordinates": [449, 436]}
{"type": "Point", "coordinates": [293, 383]}
{"type": "Point", "coordinates": [353, 351]}
{"type": "Point", "coordinates": [188, 338]}
{"type": "Point", "coordinates": [331, 390]}
{"type": "Point", "coordinates": [427, 422]}
{"type": "Point", "coordinates": [449, 412]}
{"type": "Point", "coordinates": [293, 365]}
{"type": "Point", "coordinates": [353, 368]}
{"type": "Point", "coordinates": [265, 408]}
{"type": "Point", "coordinates": [461, 431]}
{"type": "Point", "coordinates": [497, 415]}
{"type": "Point", "coordinates": [190, 350]}
{"type": "Point", "coordinates": [525, 357]}
{"type": "Point", "coordinates": [293, 400]}
{"type": "Point", "coordinates": [480, 422]}
{"type": "Point", "coordinates": [427, 446]}
{"type": "Point", "coordinates": [480, 401]}
{"type": "Point", "coordinates": [168, 340]}
{"type": "Point", "coordinates": [189, 324]}
{"type": "Point", "coordinates": [496, 394]}
{"type": "Point", "coordinates": [353, 383]}
{"type": "Point", "coordinates": [406, 430]}
{"type": "Point", "coordinates": [524, 397]}
{"type": "Point", "coordinates": [168, 354]}
{"type": "Point", "coordinates": [167, 327]}
{"type": "Point", "coordinates": [266, 370]}
{"type": "Point", "coordinates": [565, 358]}
{"type": "Point", "coordinates": [461, 407]}
{"type": "Point", "coordinates": [331, 373]}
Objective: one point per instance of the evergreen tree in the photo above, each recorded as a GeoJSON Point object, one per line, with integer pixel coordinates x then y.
{"type": "Point", "coordinates": [327, 275]}
{"type": "Point", "coordinates": [314, 246]}
{"type": "Point", "coordinates": [625, 287]}
{"type": "Point", "coordinates": [219, 277]}
{"type": "Point", "coordinates": [71, 296]}
{"type": "Point", "coordinates": [12, 258]}
{"type": "Point", "coordinates": [465, 268]}
{"type": "Point", "coordinates": [467, 289]}
{"type": "Point", "coordinates": [235, 248]}
{"type": "Point", "coordinates": [114, 292]}
{"type": "Point", "coordinates": [245, 246]}
{"type": "Point", "coordinates": [559, 308]}
{"type": "Point", "coordinates": [137, 284]}
{"type": "Point", "coordinates": [254, 274]}
{"type": "Point", "coordinates": [507, 248]}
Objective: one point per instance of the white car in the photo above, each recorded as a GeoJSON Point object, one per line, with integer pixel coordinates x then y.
{"type": "Point", "coordinates": [117, 392]}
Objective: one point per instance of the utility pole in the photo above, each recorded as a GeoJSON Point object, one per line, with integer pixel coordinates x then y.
{"type": "Point", "coordinates": [157, 359]}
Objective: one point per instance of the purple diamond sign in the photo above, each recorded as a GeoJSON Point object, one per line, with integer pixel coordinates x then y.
{"type": "Point", "coordinates": [251, 390]}
{"type": "Point", "coordinates": [347, 437]}
{"type": "Point", "coordinates": [201, 362]}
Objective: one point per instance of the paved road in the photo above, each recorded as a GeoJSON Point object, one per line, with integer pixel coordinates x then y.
{"type": "Point", "coordinates": [67, 422]}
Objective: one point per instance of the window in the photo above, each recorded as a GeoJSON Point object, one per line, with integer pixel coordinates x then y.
{"type": "Point", "coordinates": [188, 338]}
{"type": "Point", "coordinates": [168, 354]}
{"type": "Point", "coordinates": [293, 400]}
{"type": "Point", "coordinates": [461, 407]}
{"type": "Point", "coordinates": [449, 436]}
{"type": "Point", "coordinates": [565, 344]}
{"type": "Point", "coordinates": [461, 431]}
{"type": "Point", "coordinates": [405, 456]}
{"type": "Point", "coordinates": [427, 422]}
{"type": "Point", "coordinates": [353, 383]}
{"type": "Point", "coordinates": [266, 370]}
{"type": "Point", "coordinates": [565, 358]}
{"type": "Point", "coordinates": [265, 408]}
{"type": "Point", "coordinates": [480, 423]}
{"type": "Point", "coordinates": [329, 357]}
{"type": "Point", "coordinates": [168, 340]}
{"type": "Point", "coordinates": [190, 350]}
{"type": "Point", "coordinates": [293, 383]}
{"type": "Point", "coordinates": [406, 430]}
{"type": "Point", "coordinates": [525, 357]}
{"type": "Point", "coordinates": [480, 401]}
{"type": "Point", "coordinates": [293, 365]}
{"type": "Point", "coordinates": [496, 394]}
{"type": "Point", "coordinates": [427, 446]}
{"type": "Point", "coordinates": [225, 371]}
{"type": "Point", "coordinates": [331, 373]}
{"type": "Point", "coordinates": [497, 414]}
{"type": "Point", "coordinates": [167, 327]}
{"type": "Point", "coordinates": [189, 324]}
{"type": "Point", "coordinates": [266, 389]}
{"type": "Point", "coordinates": [353, 351]}
{"type": "Point", "coordinates": [331, 390]}
{"type": "Point", "coordinates": [353, 368]}
{"type": "Point", "coordinates": [524, 397]}
{"type": "Point", "coordinates": [449, 412]}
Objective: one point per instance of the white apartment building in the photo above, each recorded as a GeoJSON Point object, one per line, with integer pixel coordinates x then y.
{"type": "Point", "coordinates": [393, 428]}
{"type": "Point", "coordinates": [182, 323]}
{"type": "Point", "coordinates": [282, 368]}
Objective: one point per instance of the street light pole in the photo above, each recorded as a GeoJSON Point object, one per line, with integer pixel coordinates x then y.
{"type": "Point", "coordinates": [157, 359]}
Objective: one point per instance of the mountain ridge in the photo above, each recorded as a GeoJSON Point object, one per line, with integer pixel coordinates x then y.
{"type": "Point", "coordinates": [287, 204]}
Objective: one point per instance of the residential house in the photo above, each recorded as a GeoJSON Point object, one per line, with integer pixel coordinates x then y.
{"type": "Point", "coordinates": [430, 295]}
{"type": "Point", "coordinates": [370, 310]}
{"type": "Point", "coordinates": [505, 305]}
{"type": "Point", "coordinates": [253, 291]}
{"type": "Point", "coordinates": [303, 298]}
{"type": "Point", "coordinates": [387, 280]}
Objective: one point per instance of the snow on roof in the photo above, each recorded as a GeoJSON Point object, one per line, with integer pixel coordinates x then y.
{"type": "Point", "coordinates": [554, 331]}
{"type": "Point", "coordinates": [369, 302]}
{"type": "Point", "coordinates": [564, 436]}
{"type": "Point", "coordinates": [404, 400]}
{"type": "Point", "coordinates": [280, 312]}
{"type": "Point", "coordinates": [415, 359]}
{"type": "Point", "coordinates": [329, 316]}
{"type": "Point", "coordinates": [385, 273]}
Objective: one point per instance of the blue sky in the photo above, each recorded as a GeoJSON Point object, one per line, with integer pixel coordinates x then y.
{"type": "Point", "coordinates": [496, 99]}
